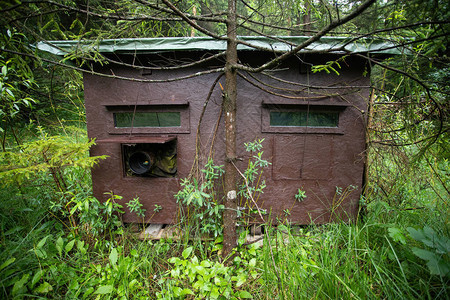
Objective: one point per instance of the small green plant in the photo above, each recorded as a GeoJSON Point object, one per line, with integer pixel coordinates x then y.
{"type": "Point", "coordinates": [94, 217]}
{"type": "Point", "coordinates": [135, 206]}
{"type": "Point", "coordinates": [157, 208]}
{"type": "Point", "coordinates": [207, 279]}
{"type": "Point", "coordinates": [204, 209]}
{"type": "Point", "coordinates": [300, 196]}
{"type": "Point", "coordinates": [253, 184]}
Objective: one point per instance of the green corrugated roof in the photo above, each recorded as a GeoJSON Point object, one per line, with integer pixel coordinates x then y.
{"type": "Point", "coordinates": [152, 45]}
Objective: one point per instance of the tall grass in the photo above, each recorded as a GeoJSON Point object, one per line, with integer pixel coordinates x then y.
{"type": "Point", "coordinates": [340, 261]}
{"type": "Point", "coordinates": [376, 256]}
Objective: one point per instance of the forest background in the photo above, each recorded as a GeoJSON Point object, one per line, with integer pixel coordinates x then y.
{"type": "Point", "coordinates": [58, 241]}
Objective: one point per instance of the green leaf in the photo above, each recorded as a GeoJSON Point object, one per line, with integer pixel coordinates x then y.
{"type": "Point", "coordinates": [205, 264]}
{"type": "Point", "coordinates": [252, 262]}
{"type": "Point", "coordinates": [418, 235]}
{"type": "Point", "coordinates": [88, 292]}
{"type": "Point", "coordinates": [187, 292]}
{"type": "Point", "coordinates": [424, 254]}
{"type": "Point", "coordinates": [200, 270]}
{"type": "Point", "coordinates": [80, 247]}
{"type": "Point", "coordinates": [436, 265]}
{"type": "Point", "coordinates": [113, 256]}
{"type": "Point", "coordinates": [134, 253]}
{"type": "Point", "coordinates": [42, 242]}
{"type": "Point", "coordinates": [245, 295]}
{"type": "Point", "coordinates": [40, 253]}
{"type": "Point", "coordinates": [59, 245]}
{"type": "Point", "coordinates": [428, 236]}
{"type": "Point", "coordinates": [132, 283]}
{"type": "Point", "coordinates": [20, 284]}
{"type": "Point", "coordinates": [397, 235]}
{"type": "Point", "coordinates": [69, 246]}
{"type": "Point", "coordinates": [74, 285]}
{"type": "Point", "coordinates": [37, 277]}
{"type": "Point", "coordinates": [176, 291]}
{"type": "Point", "coordinates": [187, 252]}
{"type": "Point", "coordinates": [241, 279]}
{"type": "Point", "coordinates": [104, 289]}
{"type": "Point", "coordinates": [7, 263]}
{"type": "Point", "coordinates": [215, 293]}
{"type": "Point", "coordinates": [173, 260]}
{"type": "Point", "coordinates": [44, 288]}
{"type": "Point", "coordinates": [175, 273]}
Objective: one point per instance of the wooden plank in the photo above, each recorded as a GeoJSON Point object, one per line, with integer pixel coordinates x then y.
{"type": "Point", "coordinates": [138, 139]}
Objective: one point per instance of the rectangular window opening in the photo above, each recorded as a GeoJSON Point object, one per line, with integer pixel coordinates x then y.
{"type": "Point", "coordinates": [147, 119]}
{"type": "Point", "coordinates": [303, 118]}
{"type": "Point", "coordinates": [150, 159]}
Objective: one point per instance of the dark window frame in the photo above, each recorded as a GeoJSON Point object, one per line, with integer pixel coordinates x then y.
{"type": "Point", "coordinates": [307, 118]}
{"type": "Point", "coordinates": [266, 126]}
{"type": "Point", "coordinates": [183, 109]}
{"type": "Point", "coordinates": [159, 115]}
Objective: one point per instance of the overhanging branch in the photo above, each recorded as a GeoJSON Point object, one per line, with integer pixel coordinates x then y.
{"type": "Point", "coordinates": [113, 76]}
{"type": "Point", "coordinates": [308, 42]}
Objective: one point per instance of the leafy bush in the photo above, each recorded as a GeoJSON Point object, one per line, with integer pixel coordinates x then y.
{"type": "Point", "coordinates": [204, 208]}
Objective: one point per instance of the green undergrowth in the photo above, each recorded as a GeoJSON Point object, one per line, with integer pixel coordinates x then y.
{"type": "Point", "coordinates": [57, 241]}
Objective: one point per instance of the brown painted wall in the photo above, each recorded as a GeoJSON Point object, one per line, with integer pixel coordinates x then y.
{"type": "Point", "coordinates": [316, 160]}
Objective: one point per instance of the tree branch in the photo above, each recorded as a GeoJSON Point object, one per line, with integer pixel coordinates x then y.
{"type": "Point", "coordinates": [113, 76]}
{"type": "Point", "coordinates": [181, 66]}
{"type": "Point", "coordinates": [282, 95]}
{"type": "Point", "coordinates": [309, 86]}
{"type": "Point", "coordinates": [190, 22]}
{"type": "Point", "coordinates": [308, 42]}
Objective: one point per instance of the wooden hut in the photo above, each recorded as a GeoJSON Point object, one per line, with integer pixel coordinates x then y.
{"type": "Point", "coordinates": [313, 123]}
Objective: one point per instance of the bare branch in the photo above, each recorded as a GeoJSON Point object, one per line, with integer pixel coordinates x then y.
{"type": "Point", "coordinates": [395, 144]}
{"type": "Point", "coordinates": [309, 86]}
{"type": "Point", "coordinates": [113, 76]}
{"type": "Point", "coordinates": [207, 18]}
{"type": "Point", "coordinates": [308, 42]}
{"type": "Point", "coordinates": [282, 95]}
{"type": "Point", "coordinates": [118, 17]}
{"type": "Point", "coordinates": [420, 82]}
{"type": "Point", "coordinates": [294, 90]}
{"type": "Point", "coordinates": [360, 36]}
{"type": "Point", "coordinates": [197, 138]}
{"type": "Point", "coordinates": [102, 16]}
{"type": "Point", "coordinates": [181, 66]}
{"type": "Point", "coordinates": [190, 22]}
{"type": "Point", "coordinates": [270, 25]}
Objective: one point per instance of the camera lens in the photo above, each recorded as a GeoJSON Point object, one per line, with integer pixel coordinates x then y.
{"type": "Point", "coordinates": [140, 162]}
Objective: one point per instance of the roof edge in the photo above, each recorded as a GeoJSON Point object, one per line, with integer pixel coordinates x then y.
{"type": "Point", "coordinates": [339, 45]}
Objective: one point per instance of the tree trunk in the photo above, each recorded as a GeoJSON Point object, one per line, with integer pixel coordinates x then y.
{"type": "Point", "coordinates": [307, 19]}
{"type": "Point", "coordinates": [230, 95]}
